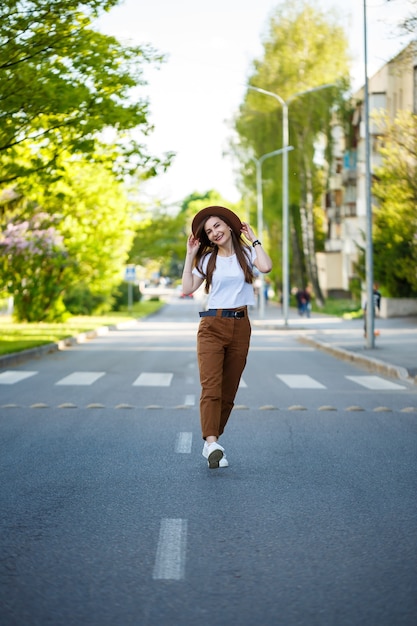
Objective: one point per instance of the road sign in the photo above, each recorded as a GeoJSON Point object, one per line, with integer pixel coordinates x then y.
{"type": "Point", "coordinates": [130, 273]}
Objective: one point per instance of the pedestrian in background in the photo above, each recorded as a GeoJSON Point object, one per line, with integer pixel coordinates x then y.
{"type": "Point", "coordinates": [299, 296]}
{"type": "Point", "coordinates": [307, 301]}
{"type": "Point", "coordinates": [377, 306]}
{"type": "Point", "coordinates": [219, 256]}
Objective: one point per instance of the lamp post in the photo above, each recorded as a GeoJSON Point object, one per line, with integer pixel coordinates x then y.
{"type": "Point", "coordinates": [370, 306]}
{"type": "Point", "coordinates": [260, 212]}
{"type": "Point", "coordinates": [285, 212]}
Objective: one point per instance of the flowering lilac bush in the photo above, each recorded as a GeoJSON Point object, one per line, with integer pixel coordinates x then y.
{"type": "Point", "coordinates": [33, 263]}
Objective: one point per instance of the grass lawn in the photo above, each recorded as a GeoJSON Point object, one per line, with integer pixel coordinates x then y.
{"type": "Point", "coordinates": [346, 308]}
{"type": "Point", "coordinates": [15, 337]}
{"type": "Point", "coordinates": [349, 309]}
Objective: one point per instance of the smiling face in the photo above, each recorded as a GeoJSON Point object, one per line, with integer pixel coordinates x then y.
{"type": "Point", "coordinates": [217, 231]}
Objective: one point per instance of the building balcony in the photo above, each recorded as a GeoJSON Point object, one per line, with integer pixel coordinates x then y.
{"type": "Point", "coordinates": [349, 176]}
{"type": "Point", "coordinates": [333, 245]}
{"type": "Point", "coordinates": [335, 182]}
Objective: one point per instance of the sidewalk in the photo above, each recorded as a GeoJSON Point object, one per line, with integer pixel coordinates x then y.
{"type": "Point", "coordinates": [394, 354]}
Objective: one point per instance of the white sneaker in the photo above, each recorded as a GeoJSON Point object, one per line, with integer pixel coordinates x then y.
{"type": "Point", "coordinates": [223, 462]}
{"type": "Point", "coordinates": [214, 453]}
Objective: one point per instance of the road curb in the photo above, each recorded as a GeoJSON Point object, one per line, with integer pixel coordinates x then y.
{"type": "Point", "coordinates": [370, 363]}
{"type": "Point", "coordinates": [18, 357]}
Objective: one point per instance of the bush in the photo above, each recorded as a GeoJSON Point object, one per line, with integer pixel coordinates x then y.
{"type": "Point", "coordinates": [120, 296]}
{"type": "Point", "coordinates": [79, 300]}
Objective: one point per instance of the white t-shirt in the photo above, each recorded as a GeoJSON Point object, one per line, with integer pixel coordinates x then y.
{"type": "Point", "coordinates": [228, 287]}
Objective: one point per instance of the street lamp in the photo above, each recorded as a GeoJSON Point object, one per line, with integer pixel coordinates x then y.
{"type": "Point", "coordinates": [260, 219]}
{"type": "Point", "coordinates": [370, 306]}
{"type": "Point", "coordinates": [285, 219]}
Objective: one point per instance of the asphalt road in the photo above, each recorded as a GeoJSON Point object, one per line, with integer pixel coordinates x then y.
{"type": "Point", "coordinates": [110, 516]}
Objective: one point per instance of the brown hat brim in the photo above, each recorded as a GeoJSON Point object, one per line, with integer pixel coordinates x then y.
{"type": "Point", "coordinates": [216, 211]}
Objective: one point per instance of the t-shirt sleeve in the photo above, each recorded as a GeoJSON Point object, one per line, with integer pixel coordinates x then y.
{"type": "Point", "coordinates": [199, 273]}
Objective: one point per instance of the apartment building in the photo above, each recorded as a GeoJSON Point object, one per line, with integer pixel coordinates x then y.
{"type": "Point", "coordinates": [392, 88]}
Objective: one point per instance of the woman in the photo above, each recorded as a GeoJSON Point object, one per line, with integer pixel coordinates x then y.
{"type": "Point", "coordinates": [217, 254]}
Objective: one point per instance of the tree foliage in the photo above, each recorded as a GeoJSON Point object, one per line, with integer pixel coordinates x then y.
{"type": "Point", "coordinates": [395, 217]}
{"type": "Point", "coordinates": [96, 221]}
{"type": "Point", "coordinates": [160, 238]}
{"type": "Point", "coordinates": [304, 48]}
{"type": "Point", "coordinates": [72, 124]}
{"type": "Point", "coordinates": [62, 83]}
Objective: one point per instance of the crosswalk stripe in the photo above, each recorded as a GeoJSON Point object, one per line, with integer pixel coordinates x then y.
{"type": "Point", "coordinates": [374, 382]}
{"type": "Point", "coordinates": [184, 443]}
{"type": "Point", "coordinates": [189, 400]}
{"type": "Point", "coordinates": [153, 379]}
{"type": "Point", "coordinates": [80, 378]}
{"type": "Point", "coordinates": [170, 552]}
{"type": "Point", "coordinates": [300, 381]}
{"type": "Point", "coordinates": [10, 377]}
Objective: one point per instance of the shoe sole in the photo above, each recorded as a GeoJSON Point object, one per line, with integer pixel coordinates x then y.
{"type": "Point", "coordinates": [214, 458]}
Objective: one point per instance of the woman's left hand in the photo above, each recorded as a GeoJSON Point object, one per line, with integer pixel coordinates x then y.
{"type": "Point", "coordinates": [247, 231]}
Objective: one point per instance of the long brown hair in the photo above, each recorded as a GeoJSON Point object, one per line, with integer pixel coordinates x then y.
{"type": "Point", "coordinates": [207, 247]}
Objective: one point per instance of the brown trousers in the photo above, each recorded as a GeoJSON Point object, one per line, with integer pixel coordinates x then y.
{"type": "Point", "coordinates": [222, 349]}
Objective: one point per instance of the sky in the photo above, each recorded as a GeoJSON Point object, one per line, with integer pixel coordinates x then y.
{"type": "Point", "coordinates": [210, 47]}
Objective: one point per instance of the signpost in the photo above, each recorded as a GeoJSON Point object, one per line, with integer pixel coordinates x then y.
{"type": "Point", "coordinates": [130, 278]}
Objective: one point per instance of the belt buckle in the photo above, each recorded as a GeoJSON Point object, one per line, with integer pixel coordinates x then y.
{"type": "Point", "coordinates": [238, 314]}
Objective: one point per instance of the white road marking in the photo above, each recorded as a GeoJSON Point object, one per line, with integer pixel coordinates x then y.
{"type": "Point", "coordinates": [374, 382]}
{"type": "Point", "coordinates": [170, 552]}
{"type": "Point", "coordinates": [189, 400]}
{"type": "Point", "coordinates": [10, 377]}
{"type": "Point", "coordinates": [242, 383]}
{"type": "Point", "coordinates": [280, 349]}
{"type": "Point", "coordinates": [183, 443]}
{"type": "Point", "coordinates": [153, 379]}
{"type": "Point", "coordinates": [300, 381]}
{"type": "Point", "coordinates": [80, 378]}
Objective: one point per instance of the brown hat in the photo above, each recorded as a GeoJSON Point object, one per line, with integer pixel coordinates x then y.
{"type": "Point", "coordinates": [216, 211]}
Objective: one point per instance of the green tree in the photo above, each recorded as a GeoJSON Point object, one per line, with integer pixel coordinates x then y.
{"type": "Point", "coordinates": [62, 84]}
{"type": "Point", "coordinates": [89, 218]}
{"type": "Point", "coordinates": [304, 48]}
{"type": "Point", "coordinates": [160, 238]}
{"type": "Point", "coordinates": [395, 216]}
{"type": "Point", "coordinates": [96, 222]}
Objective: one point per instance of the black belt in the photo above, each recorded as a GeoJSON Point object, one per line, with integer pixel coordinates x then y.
{"type": "Point", "coordinates": [236, 314]}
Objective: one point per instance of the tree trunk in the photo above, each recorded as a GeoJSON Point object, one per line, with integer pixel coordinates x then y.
{"type": "Point", "coordinates": [307, 229]}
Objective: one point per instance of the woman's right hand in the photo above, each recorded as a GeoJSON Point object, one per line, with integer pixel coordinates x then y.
{"type": "Point", "coordinates": [192, 245]}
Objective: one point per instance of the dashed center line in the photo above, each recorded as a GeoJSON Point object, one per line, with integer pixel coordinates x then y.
{"type": "Point", "coordinates": [170, 552]}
